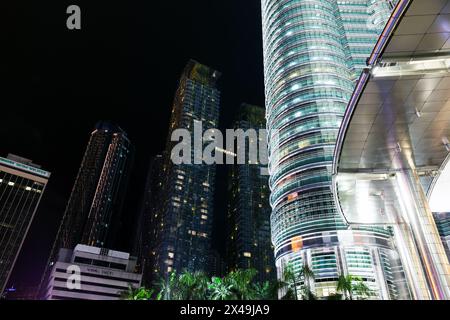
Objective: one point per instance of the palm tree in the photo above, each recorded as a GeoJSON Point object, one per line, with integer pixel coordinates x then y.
{"type": "Point", "coordinates": [168, 287]}
{"type": "Point", "coordinates": [303, 279]}
{"type": "Point", "coordinates": [133, 293]}
{"type": "Point", "coordinates": [237, 285]}
{"type": "Point", "coordinates": [308, 276]}
{"type": "Point", "coordinates": [289, 282]}
{"type": "Point", "coordinates": [362, 290]}
{"type": "Point", "coordinates": [349, 285]}
{"type": "Point", "coordinates": [220, 290]}
{"type": "Point", "coordinates": [241, 283]}
{"type": "Point", "coordinates": [265, 291]}
{"type": "Point", "coordinates": [193, 286]}
{"type": "Point", "coordinates": [345, 287]}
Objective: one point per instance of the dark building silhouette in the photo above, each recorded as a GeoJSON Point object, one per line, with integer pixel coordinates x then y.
{"type": "Point", "coordinates": [93, 212]}
{"type": "Point", "coordinates": [182, 221]}
{"type": "Point", "coordinates": [248, 230]}
{"type": "Point", "coordinates": [22, 184]}
{"type": "Point", "coordinates": [147, 218]}
{"type": "Point", "coordinates": [217, 266]}
{"type": "Point", "coordinates": [21, 292]}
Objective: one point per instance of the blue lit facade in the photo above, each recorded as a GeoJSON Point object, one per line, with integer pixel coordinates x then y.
{"type": "Point", "coordinates": [314, 51]}
{"type": "Point", "coordinates": [442, 220]}
{"type": "Point", "coordinates": [248, 218]}
{"type": "Point", "coordinates": [182, 218]}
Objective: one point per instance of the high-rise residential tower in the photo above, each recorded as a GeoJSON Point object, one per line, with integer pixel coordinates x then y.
{"type": "Point", "coordinates": [92, 215]}
{"type": "Point", "coordinates": [183, 222]}
{"type": "Point", "coordinates": [314, 51]}
{"type": "Point", "coordinates": [248, 229]}
{"type": "Point", "coordinates": [93, 212]}
{"type": "Point", "coordinates": [147, 218]}
{"type": "Point", "coordinates": [22, 184]}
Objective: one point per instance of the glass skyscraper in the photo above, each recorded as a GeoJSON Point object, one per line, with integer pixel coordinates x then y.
{"type": "Point", "coordinates": [22, 184]}
{"type": "Point", "coordinates": [182, 220]}
{"type": "Point", "coordinates": [248, 229]}
{"type": "Point", "coordinates": [314, 51]}
{"type": "Point", "coordinates": [442, 220]}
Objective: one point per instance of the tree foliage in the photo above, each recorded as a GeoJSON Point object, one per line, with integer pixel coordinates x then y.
{"type": "Point", "coordinates": [349, 287]}
{"type": "Point", "coordinates": [241, 285]}
{"type": "Point", "coordinates": [236, 285]}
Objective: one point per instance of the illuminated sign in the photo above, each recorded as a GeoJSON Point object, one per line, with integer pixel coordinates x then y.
{"type": "Point", "coordinates": [24, 167]}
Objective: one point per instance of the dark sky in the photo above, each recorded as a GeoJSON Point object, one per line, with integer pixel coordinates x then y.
{"type": "Point", "coordinates": [122, 66]}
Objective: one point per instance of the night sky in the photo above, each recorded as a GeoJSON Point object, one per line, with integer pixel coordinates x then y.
{"type": "Point", "coordinates": [123, 66]}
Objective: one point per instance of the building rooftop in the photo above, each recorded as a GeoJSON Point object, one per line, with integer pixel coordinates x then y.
{"type": "Point", "coordinates": [100, 251]}
{"type": "Point", "coordinates": [201, 73]}
{"type": "Point", "coordinates": [23, 164]}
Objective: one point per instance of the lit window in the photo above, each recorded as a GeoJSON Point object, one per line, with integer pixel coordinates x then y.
{"type": "Point", "coordinates": [10, 183]}
{"type": "Point", "coordinates": [247, 254]}
{"type": "Point", "coordinates": [28, 188]}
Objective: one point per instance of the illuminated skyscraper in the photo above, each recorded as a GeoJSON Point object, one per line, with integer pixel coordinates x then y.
{"type": "Point", "coordinates": [314, 51]}
{"type": "Point", "coordinates": [93, 212]}
{"type": "Point", "coordinates": [182, 221]}
{"type": "Point", "coordinates": [22, 184]}
{"type": "Point", "coordinates": [248, 232]}
{"type": "Point", "coordinates": [92, 215]}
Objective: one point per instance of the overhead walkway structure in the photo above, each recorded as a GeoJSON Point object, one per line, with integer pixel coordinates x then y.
{"type": "Point", "coordinates": [393, 146]}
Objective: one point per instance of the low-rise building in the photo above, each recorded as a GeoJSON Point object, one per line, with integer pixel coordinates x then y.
{"type": "Point", "coordinates": [91, 273]}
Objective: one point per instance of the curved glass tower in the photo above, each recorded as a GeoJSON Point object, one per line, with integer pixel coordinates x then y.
{"type": "Point", "coordinates": [314, 51]}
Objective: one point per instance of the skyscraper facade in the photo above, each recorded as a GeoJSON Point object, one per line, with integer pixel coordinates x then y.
{"type": "Point", "coordinates": [22, 184]}
{"type": "Point", "coordinates": [93, 212]}
{"type": "Point", "coordinates": [442, 220]}
{"type": "Point", "coordinates": [248, 229]}
{"type": "Point", "coordinates": [183, 222]}
{"type": "Point", "coordinates": [104, 219]}
{"type": "Point", "coordinates": [314, 51]}
{"type": "Point", "coordinates": [148, 218]}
